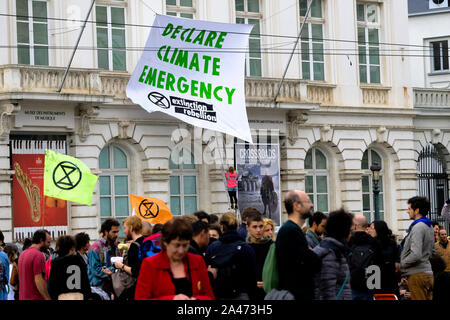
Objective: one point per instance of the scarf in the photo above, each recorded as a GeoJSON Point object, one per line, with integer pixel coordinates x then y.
{"type": "Point", "coordinates": [425, 220]}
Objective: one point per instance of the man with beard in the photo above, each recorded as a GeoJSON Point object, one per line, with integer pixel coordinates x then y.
{"type": "Point", "coordinates": [100, 253]}
{"type": "Point", "coordinates": [32, 268]}
{"type": "Point", "coordinates": [297, 264]}
{"type": "Point", "coordinates": [261, 246]}
{"type": "Point", "coordinates": [317, 228]}
{"type": "Point", "coordinates": [132, 263]}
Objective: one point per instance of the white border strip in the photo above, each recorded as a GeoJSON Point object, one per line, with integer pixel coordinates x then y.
{"type": "Point", "coordinates": [27, 232]}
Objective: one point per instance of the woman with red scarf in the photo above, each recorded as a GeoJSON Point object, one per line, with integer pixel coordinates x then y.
{"type": "Point", "coordinates": [173, 273]}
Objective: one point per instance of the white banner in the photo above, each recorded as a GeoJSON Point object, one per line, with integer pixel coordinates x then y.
{"type": "Point", "coordinates": [194, 71]}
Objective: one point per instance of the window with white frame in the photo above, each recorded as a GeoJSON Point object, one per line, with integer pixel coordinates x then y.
{"type": "Point", "coordinates": [183, 184]}
{"type": "Point", "coordinates": [180, 8]}
{"type": "Point", "coordinates": [114, 184]}
{"type": "Point", "coordinates": [248, 12]}
{"type": "Point", "coordinates": [370, 157]}
{"type": "Point", "coordinates": [316, 179]}
{"type": "Point", "coordinates": [32, 32]}
{"type": "Point", "coordinates": [312, 53]}
{"type": "Point", "coordinates": [111, 44]}
{"type": "Point", "coordinates": [439, 55]}
{"type": "Point", "coordinates": [368, 20]}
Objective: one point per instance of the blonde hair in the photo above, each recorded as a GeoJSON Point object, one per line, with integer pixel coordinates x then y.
{"type": "Point", "coordinates": [229, 222]}
{"type": "Point", "coordinates": [268, 221]}
{"type": "Point", "coordinates": [134, 222]}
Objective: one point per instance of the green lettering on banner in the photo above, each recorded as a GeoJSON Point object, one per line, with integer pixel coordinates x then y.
{"type": "Point", "coordinates": [177, 30]}
{"type": "Point", "coordinates": [167, 30]}
{"type": "Point", "coordinates": [182, 59]}
{"type": "Point", "coordinates": [159, 53]}
{"type": "Point", "coordinates": [216, 67]}
{"type": "Point", "coordinates": [161, 79]}
{"type": "Point", "coordinates": [166, 59]}
{"type": "Point", "coordinates": [170, 81]}
{"type": "Point", "coordinates": [230, 94]}
{"type": "Point", "coordinates": [209, 39]}
{"type": "Point", "coordinates": [221, 38]}
{"type": "Point", "coordinates": [151, 77]}
{"type": "Point", "coordinates": [194, 88]}
{"type": "Point", "coordinates": [182, 88]}
{"type": "Point", "coordinates": [188, 39]}
{"type": "Point", "coordinates": [205, 90]}
{"type": "Point", "coordinates": [215, 93]}
{"type": "Point", "coordinates": [141, 78]}
{"type": "Point", "coordinates": [194, 62]}
{"type": "Point", "coordinates": [183, 33]}
{"type": "Point", "coordinates": [174, 55]}
{"type": "Point", "coordinates": [206, 59]}
{"type": "Point", "coordinates": [199, 38]}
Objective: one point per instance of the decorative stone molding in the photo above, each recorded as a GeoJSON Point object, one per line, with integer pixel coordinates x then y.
{"type": "Point", "coordinates": [381, 134]}
{"type": "Point", "coordinates": [295, 119]}
{"type": "Point", "coordinates": [264, 89]}
{"type": "Point", "coordinates": [77, 81]}
{"type": "Point", "coordinates": [155, 174]}
{"type": "Point", "coordinates": [123, 127]}
{"type": "Point", "coordinates": [436, 136]}
{"type": "Point", "coordinates": [87, 113]}
{"type": "Point", "coordinates": [375, 95]}
{"type": "Point", "coordinates": [6, 111]}
{"type": "Point", "coordinates": [292, 175]}
{"type": "Point", "coordinates": [431, 97]}
{"type": "Point", "coordinates": [114, 84]}
{"type": "Point", "coordinates": [325, 133]}
{"type": "Point", "coordinates": [350, 175]}
{"type": "Point", "coordinates": [406, 174]}
{"type": "Point", "coordinates": [319, 93]}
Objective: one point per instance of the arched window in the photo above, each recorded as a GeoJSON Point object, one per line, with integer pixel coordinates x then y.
{"type": "Point", "coordinates": [370, 157]}
{"type": "Point", "coordinates": [114, 184]}
{"type": "Point", "coordinates": [183, 185]}
{"type": "Point", "coordinates": [316, 179]}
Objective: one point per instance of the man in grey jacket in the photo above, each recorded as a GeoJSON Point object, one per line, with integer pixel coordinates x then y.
{"type": "Point", "coordinates": [417, 248]}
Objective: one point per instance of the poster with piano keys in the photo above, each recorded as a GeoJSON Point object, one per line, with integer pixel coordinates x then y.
{"type": "Point", "coordinates": [31, 209]}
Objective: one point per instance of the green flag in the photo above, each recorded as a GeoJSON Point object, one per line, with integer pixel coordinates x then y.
{"type": "Point", "coordinates": [68, 178]}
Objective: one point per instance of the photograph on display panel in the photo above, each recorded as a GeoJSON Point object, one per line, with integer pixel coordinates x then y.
{"type": "Point", "coordinates": [258, 168]}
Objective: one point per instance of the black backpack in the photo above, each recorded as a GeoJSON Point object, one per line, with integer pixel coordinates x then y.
{"type": "Point", "coordinates": [226, 285]}
{"type": "Point", "coordinates": [359, 259]}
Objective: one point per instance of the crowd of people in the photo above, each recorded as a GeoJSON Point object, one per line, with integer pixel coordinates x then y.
{"type": "Point", "coordinates": [335, 256]}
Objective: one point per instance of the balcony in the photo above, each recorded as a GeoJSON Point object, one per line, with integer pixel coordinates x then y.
{"type": "Point", "coordinates": [95, 82]}
{"type": "Point", "coordinates": [431, 98]}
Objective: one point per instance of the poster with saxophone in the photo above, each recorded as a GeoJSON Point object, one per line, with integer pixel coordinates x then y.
{"type": "Point", "coordinates": [31, 209]}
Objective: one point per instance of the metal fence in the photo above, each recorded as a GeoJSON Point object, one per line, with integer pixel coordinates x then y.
{"type": "Point", "coordinates": [433, 182]}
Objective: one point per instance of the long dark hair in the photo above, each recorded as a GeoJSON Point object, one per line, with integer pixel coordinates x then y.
{"type": "Point", "coordinates": [384, 234]}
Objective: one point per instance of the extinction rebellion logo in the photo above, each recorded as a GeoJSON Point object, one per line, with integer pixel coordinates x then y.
{"type": "Point", "coordinates": [148, 209]}
{"type": "Point", "coordinates": [159, 100]}
{"type": "Point", "coordinates": [66, 175]}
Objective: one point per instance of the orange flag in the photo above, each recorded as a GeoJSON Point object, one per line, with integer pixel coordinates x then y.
{"type": "Point", "coordinates": [150, 209]}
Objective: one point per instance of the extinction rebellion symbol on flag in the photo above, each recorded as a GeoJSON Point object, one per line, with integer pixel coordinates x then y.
{"type": "Point", "coordinates": [159, 100]}
{"type": "Point", "coordinates": [148, 209]}
{"type": "Point", "coordinates": [66, 175]}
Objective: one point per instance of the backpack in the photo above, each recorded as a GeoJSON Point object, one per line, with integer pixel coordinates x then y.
{"type": "Point", "coordinates": [359, 259]}
{"type": "Point", "coordinates": [270, 270]}
{"type": "Point", "coordinates": [225, 284]}
{"type": "Point", "coordinates": [148, 248]}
